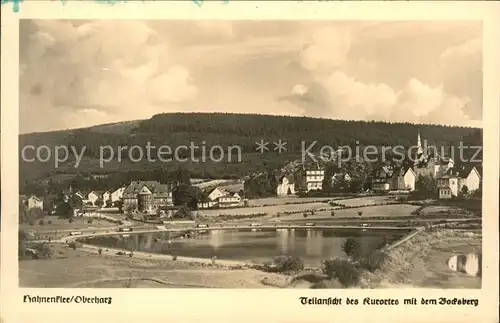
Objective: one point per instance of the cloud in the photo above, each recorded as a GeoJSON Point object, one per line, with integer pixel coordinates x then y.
{"type": "Point", "coordinates": [119, 69]}
{"type": "Point", "coordinates": [336, 93]}
{"type": "Point", "coordinates": [299, 89]}
{"type": "Point", "coordinates": [463, 74]}
{"type": "Point", "coordinates": [81, 73]}
{"type": "Point", "coordinates": [339, 96]}
{"type": "Point", "coordinates": [327, 49]}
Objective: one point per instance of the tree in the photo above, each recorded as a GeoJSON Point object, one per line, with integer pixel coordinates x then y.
{"type": "Point", "coordinates": [118, 204]}
{"type": "Point", "coordinates": [76, 202]}
{"type": "Point", "coordinates": [109, 203]}
{"type": "Point", "coordinates": [64, 210]}
{"type": "Point", "coordinates": [351, 248]}
{"type": "Point", "coordinates": [187, 195]}
{"type": "Point", "coordinates": [426, 186]}
{"type": "Point", "coordinates": [21, 242]}
{"type": "Point", "coordinates": [342, 270]}
{"type": "Point", "coordinates": [465, 190]}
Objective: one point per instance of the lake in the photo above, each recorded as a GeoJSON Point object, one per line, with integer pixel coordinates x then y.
{"type": "Point", "coordinates": [256, 246]}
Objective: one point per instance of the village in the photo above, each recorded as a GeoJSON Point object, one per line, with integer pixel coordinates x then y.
{"type": "Point", "coordinates": [156, 199]}
{"type": "Point", "coordinates": [432, 193]}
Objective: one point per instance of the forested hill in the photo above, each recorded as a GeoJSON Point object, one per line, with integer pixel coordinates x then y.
{"type": "Point", "coordinates": [244, 130]}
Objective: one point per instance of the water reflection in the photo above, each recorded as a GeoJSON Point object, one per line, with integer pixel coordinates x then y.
{"type": "Point", "coordinates": [216, 239]}
{"type": "Point", "coordinates": [314, 242]}
{"type": "Point", "coordinates": [312, 245]}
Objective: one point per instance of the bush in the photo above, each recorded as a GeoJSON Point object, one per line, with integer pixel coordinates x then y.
{"type": "Point", "coordinates": [319, 285]}
{"type": "Point", "coordinates": [99, 251]}
{"type": "Point", "coordinates": [288, 264]}
{"type": "Point", "coordinates": [351, 248]}
{"type": "Point", "coordinates": [305, 215]}
{"type": "Point", "coordinates": [49, 222]}
{"type": "Point", "coordinates": [73, 245]}
{"type": "Point", "coordinates": [131, 254]}
{"type": "Point", "coordinates": [174, 258]}
{"type": "Point", "coordinates": [374, 261]}
{"type": "Point", "coordinates": [342, 270]}
{"type": "Point", "coordinates": [41, 222]}
{"type": "Point", "coordinates": [333, 213]}
{"type": "Point", "coordinates": [70, 220]}
{"type": "Point", "coordinates": [89, 221]}
{"type": "Point", "coordinates": [43, 250]}
{"type": "Point", "coordinates": [360, 213]}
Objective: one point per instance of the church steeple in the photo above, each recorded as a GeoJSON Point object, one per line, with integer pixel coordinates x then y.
{"type": "Point", "coordinates": [420, 150]}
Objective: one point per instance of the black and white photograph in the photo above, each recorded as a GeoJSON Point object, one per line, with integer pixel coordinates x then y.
{"type": "Point", "coordinates": [250, 154]}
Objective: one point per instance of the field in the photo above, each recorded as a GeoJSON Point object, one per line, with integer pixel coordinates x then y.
{"type": "Point", "coordinates": [270, 210]}
{"type": "Point", "coordinates": [422, 262]}
{"type": "Point", "coordinates": [273, 206]}
{"type": "Point", "coordinates": [76, 268]}
{"type": "Point", "coordinates": [63, 224]}
{"type": "Point", "coordinates": [395, 210]}
{"type": "Point", "coordinates": [286, 200]}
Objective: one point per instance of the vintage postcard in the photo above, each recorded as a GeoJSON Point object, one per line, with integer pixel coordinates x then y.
{"type": "Point", "coordinates": [331, 159]}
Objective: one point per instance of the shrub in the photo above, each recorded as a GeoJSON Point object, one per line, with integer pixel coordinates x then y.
{"type": "Point", "coordinates": [43, 250]}
{"type": "Point", "coordinates": [333, 213]}
{"type": "Point", "coordinates": [70, 220]}
{"type": "Point", "coordinates": [351, 248]}
{"type": "Point", "coordinates": [373, 261]}
{"type": "Point", "coordinates": [319, 285]}
{"type": "Point", "coordinates": [89, 221]}
{"type": "Point", "coordinates": [99, 251]}
{"type": "Point", "coordinates": [174, 258]}
{"type": "Point", "coordinates": [49, 222]}
{"type": "Point", "coordinates": [41, 222]}
{"type": "Point", "coordinates": [288, 264]}
{"type": "Point", "coordinates": [360, 213]}
{"type": "Point", "coordinates": [305, 215]}
{"type": "Point", "coordinates": [342, 270]}
{"type": "Point", "coordinates": [131, 254]}
{"type": "Point", "coordinates": [73, 245]}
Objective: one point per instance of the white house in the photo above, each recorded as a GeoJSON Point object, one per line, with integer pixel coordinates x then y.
{"type": "Point", "coordinates": [471, 178]}
{"type": "Point", "coordinates": [106, 196]}
{"type": "Point", "coordinates": [229, 200]}
{"type": "Point", "coordinates": [117, 194]}
{"type": "Point", "coordinates": [382, 179]}
{"type": "Point", "coordinates": [404, 179]}
{"type": "Point", "coordinates": [207, 205]}
{"type": "Point", "coordinates": [286, 185]}
{"type": "Point", "coordinates": [35, 202]}
{"type": "Point", "coordinates": [448, 186]}
{"type": "Point", "coordinates": [453, 182]}
{"type": "Point", "coordinates": [314, 179]}
{"type": "Point", "coordinates": [93, 196]}
{"type": "Point", "coordinates": [216, 193]}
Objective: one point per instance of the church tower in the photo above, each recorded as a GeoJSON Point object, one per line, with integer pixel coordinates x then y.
{"type": "Point", "coordinates": [420, 150]}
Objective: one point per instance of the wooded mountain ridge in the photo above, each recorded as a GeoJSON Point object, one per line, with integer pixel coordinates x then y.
{"type": "Point", "coordinates": [225, 130]}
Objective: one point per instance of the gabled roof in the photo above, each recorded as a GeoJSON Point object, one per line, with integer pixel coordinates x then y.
{"type": "Point", "coordinates": [465, 171]}
{"type": "Point", "coordinates": [154, 186]}
{"type": "Point", "coordinates": [40, 199]}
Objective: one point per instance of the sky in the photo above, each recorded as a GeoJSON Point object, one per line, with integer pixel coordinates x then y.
{"type": "Point", "coordinates": [81, 73]}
